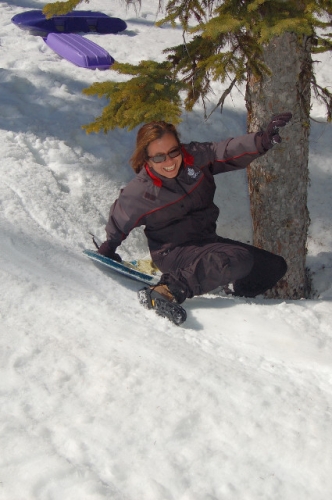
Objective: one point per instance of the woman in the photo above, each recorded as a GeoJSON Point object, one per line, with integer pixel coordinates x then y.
{"type": "Point", "coordinates": [172, 196]}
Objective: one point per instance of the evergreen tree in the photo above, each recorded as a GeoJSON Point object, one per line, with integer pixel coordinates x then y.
{"type": "Point", "coordinates": [264, 43]}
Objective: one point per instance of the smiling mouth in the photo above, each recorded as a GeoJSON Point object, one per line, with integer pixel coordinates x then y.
{"type": "Point", "coordinates": [170, 169]}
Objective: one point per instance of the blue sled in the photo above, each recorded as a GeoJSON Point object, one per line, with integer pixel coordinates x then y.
{"type": "Point", "coordinates": [79, 21]}
{"type": "Point", "coordinates": [124, 268]}
{"type": "Point", "coordinates": [79, 50]}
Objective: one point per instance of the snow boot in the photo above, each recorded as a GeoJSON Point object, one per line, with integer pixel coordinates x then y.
{"type": "Point", "coordinates": [161, 299]}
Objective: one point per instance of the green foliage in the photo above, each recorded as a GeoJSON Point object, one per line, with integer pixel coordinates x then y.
{"type": "Point", "coordinates": [60, 8]}
{"type": "Point", "coordinates": [222, 41]}
{"type": "Point", "coordinates": [152, 94]}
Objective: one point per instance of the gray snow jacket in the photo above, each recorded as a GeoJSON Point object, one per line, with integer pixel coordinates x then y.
{"type": "Point", "coordinates": [179, 211]}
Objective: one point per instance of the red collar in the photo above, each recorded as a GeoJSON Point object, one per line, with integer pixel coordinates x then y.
{"type": "Point", "coordinates": [156, 181]}
{"type": "Point", "coordinates": [187, 158]}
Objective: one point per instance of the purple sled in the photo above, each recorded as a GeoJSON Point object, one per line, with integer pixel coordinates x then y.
{"type": "Point", "coordinates": [79, 50]}
{"type": "Point", "coordinates": [78, 21]}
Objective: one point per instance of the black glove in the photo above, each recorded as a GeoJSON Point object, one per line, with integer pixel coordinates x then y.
{"type": "Point", "coordinates": [271, 136]}
{"type": "Point", "coordinates": [107, 249]}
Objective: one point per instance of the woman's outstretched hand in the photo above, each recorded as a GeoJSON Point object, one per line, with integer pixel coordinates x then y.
{"type": "Point", "coordinates": [271, 136]}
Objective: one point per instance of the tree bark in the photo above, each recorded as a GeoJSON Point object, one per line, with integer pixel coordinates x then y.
{"type": "Point", "coordinates": [278, 181]}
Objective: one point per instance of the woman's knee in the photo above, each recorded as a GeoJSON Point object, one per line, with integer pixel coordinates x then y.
{"type": "Point", "coordinates": [241, 262]}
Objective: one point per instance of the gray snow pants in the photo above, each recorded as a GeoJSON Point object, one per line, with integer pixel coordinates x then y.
{"type": "Point", "coordinates": [198, 268]}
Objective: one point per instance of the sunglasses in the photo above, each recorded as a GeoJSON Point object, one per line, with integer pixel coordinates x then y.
{"type": "Point", "coordinates": [160, 158]}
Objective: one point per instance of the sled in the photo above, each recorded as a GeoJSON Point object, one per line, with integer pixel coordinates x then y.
{"type": "Point", "coordinates": [79, 51]}
{"type": "Point", "coordinates": [143, 271]}
{"type": "Point", "coordinates": [79, 21]}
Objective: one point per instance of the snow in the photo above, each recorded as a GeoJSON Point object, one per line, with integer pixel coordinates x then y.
{"type": "Point", "coordinates": [101, 399]}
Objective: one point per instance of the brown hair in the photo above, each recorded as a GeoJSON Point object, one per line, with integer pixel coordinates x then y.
{"type": "Point", "coordinates": [146, 134]}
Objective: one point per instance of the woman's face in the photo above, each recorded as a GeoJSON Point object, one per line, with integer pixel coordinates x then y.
{"type": "Point", "coordinates": [166, 145]}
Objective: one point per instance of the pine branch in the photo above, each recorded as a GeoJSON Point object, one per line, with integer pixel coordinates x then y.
{"type": "Point", "coordinates": [152, 94]}
{"type": "Point", "coordinates": [61, 8]}
{"type": "Point", "coordinates": [222, 99]}
{"type": "Point", "coordinates": [324, 95]}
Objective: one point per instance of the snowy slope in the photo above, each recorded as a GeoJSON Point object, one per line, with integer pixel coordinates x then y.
{"type": "Point", "coordinates": [101, 399]}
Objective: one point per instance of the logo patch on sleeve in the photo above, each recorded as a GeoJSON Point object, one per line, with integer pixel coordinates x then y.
{"type": "Point", "coordinates": [192, 173]}
{"type": "Point", "coordinates": [149, 196]}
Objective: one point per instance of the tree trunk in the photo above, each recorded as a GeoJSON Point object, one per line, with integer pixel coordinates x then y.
{"type": "Point", "coordinates": [278, 181]}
